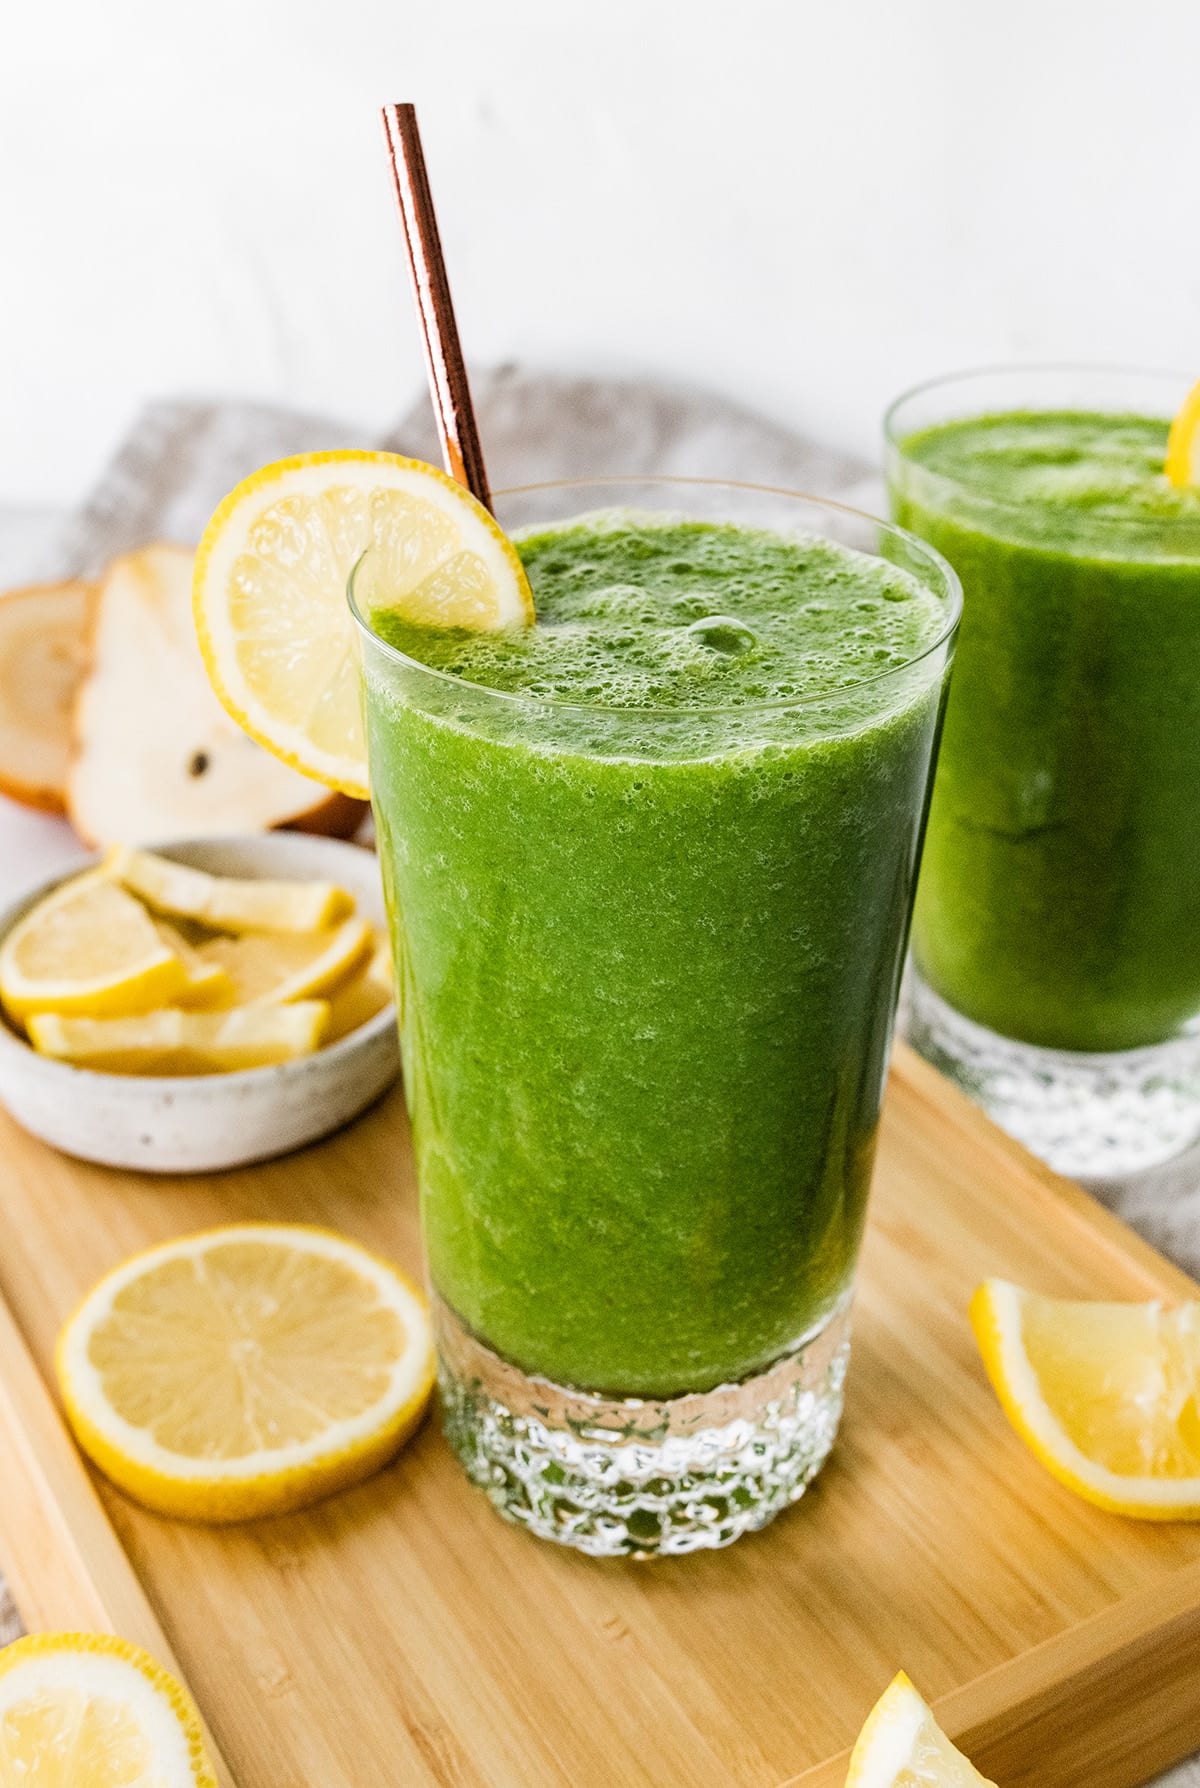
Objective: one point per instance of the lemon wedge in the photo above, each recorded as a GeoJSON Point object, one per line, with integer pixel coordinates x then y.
{"type": "Point", "coordinates": [270, 968]}
{"type": "Point", "coordinates": [87, 948]}
{"type": "Point", "coordinates": [87, 1710]}
{"type": "Point", "coordinates": [271, 577]}
{"type": "Point", "coordinates": [901, 1745]}
{"type": "Point", "coordinates": [1183, 443]}
{"type": "Point", "coordinates": [173, 1042]}
{"type": "Point", "coordinates": [246, 1371]}
{"type": "Point", "coordinates": [1106, 1395]}
{"type": "Point", "coordinates": [224, 902]}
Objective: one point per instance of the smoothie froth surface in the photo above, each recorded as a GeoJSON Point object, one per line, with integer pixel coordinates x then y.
{"type": "Point", "coordinates": [647, 613]}
{"type": "Point", "coordinates": [1058, 468]}
{"type": "Point", "coordinates": [1060, 892]}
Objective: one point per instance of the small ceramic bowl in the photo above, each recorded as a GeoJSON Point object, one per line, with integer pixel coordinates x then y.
{"type": "Point", "coordinates": [204, 1122]}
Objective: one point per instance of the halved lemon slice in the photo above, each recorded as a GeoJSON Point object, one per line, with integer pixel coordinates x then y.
{"type": "Point", "coordinates": [87, 1710]}
{"type": "Point", "coordinates": [901, 1745]}
{"type": "Point", "coordinates": [1106, 1395]}
{"type": "Point", "coordinates": [367, 992]}
{"type": "Point", "coordinates": [174, 1042]}
{"type": "Point", "coordinates": [88, 948]}
{"type": "Point", "coordinates": [208, 983]}
{"type": "Point", "coordinates": [226, 902]}
{"type": "Point", "coordinates": [246, 1371]}
{"type": "Point", "coordinates": [270, 587]}
{"type": "Point", "coordinates": [269, 969]}
{"type": "Point", "coordinates": [1183, 443]}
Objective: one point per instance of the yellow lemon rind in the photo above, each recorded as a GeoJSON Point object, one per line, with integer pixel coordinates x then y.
{"type": "Point", "coordinates": [134, 997]}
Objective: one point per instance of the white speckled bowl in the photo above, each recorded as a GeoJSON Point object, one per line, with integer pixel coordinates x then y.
{"type": "Point", "coordinates": [201, 1123]}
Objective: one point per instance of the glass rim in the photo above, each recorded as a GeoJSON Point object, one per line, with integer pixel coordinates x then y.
{"type": "Point", "coordinates": [793, 703]}
{"type": "Point", "coordinates": [1090, 525]}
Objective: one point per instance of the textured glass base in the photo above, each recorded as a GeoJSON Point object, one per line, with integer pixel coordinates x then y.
{"type": "Point", "coordinates": [1087, 1116]}
{"type": "Point", "coordinates": [635, 1476]}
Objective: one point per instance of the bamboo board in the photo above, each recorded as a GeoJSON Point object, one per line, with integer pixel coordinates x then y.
{"type": "Point", "coordinates": [403, 1635]}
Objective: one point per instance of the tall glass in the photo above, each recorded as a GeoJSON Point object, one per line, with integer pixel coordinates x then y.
{"type": "Point", "coordinates": [1057, 932]}
{"type": "Point", "coordinates": [647, 963]}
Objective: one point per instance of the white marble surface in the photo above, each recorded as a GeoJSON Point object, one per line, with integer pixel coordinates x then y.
{"type": "Point", "coordinates": [1164, 1205]}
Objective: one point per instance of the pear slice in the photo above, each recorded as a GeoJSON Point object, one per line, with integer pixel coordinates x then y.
{"type": "Point", "coordinates": [157, 757]}
{"type": "Point", "coordinates": [43, 657]}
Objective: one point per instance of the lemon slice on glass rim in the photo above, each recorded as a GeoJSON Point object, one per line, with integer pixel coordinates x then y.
{"type": "Point", "coordinates": [1183, 443]}
{"type": "Point", "coordinates": [1106, 1395]}
{"type": "Point", "coordinates": [269, 591]}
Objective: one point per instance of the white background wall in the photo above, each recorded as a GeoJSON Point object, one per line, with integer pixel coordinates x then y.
{"type": "Point", "coordinates": [805, 203]}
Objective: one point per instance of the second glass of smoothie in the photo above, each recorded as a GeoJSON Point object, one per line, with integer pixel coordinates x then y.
{"type": "Point", "coordinates": [1057, 931]}
{"type": "Point", "coordinates": [650, 866]}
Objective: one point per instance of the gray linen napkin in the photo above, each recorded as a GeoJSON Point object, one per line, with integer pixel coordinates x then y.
{"type": "Point", "coordinates": [182, 456]}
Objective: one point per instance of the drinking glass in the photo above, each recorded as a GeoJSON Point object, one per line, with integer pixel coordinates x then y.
{"type": "Point", "coordinates": [1056, 943]}
{"type": "Point", "coordinates": [647, 965]}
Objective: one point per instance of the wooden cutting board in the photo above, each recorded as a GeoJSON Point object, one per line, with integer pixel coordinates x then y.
{"type": "Point", "coordinates": [403, 1635]}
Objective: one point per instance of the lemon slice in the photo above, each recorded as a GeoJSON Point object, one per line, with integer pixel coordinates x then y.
{"type": "Point", "coordinates": [270, 968]}
{"type": "Point", "coordinates": [1106, 1395]}
{"type": "Point", "coordinates": [88, 947]}
{"type": "Point", "coordinates": [1183, 443]}
{"type": "Point", "coordinates": [208, 982]}
{"type": "Point", "coordinates": [278, 640]}
{"type": "Point", "coordinates": [87, 1710]}
{"type": "Point", "coordinates": [246, 1371]}
{"type": "Point", "coordinates": [365, 994]}
{"type": "Point", "coordinates": [174, 1042]}
{"type": "Point", "coordinates": [902, 1746]}
{"type": "Point", "coordinates": [225, 902]}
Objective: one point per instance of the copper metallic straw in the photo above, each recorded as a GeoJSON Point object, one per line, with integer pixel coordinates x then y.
{"type": "Point", "coordinates": [461, 451]}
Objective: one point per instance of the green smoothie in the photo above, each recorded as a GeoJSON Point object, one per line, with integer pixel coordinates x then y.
{"type": "Point", "coordinates": [1060, 892]}
{"type": "Point", "coordinates": [650, 866]}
